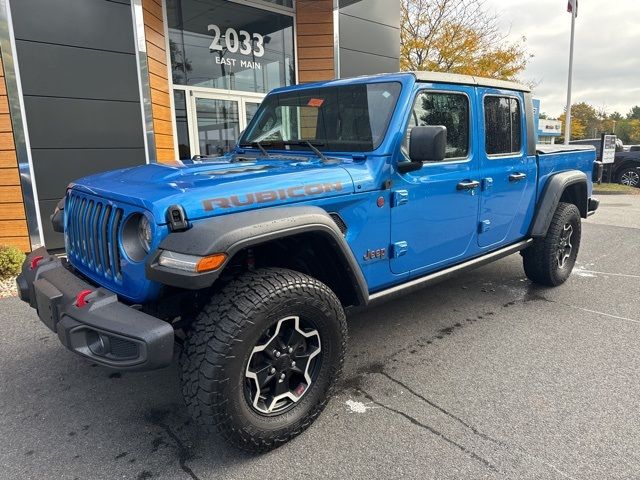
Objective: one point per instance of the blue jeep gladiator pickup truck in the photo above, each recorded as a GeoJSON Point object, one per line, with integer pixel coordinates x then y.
{"type": "Point", "coordinates": [339, 194]}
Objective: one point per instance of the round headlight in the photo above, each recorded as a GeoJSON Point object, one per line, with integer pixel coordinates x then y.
{"type": "Point", "coordinates": [144, 233]}
{"type": "Point", "coordinates": [137, 235]}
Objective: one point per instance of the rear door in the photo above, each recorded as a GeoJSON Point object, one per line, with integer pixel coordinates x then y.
{"type": "Point", "coordinates": [508, 174]}
{"type": "Point", "coordinates": [433, 219]}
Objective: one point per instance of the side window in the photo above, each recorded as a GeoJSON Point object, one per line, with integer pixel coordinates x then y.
{"type": "Point", "coordinates": [448, 109]}
{"type": "Point", "coordinates": [502, 125]}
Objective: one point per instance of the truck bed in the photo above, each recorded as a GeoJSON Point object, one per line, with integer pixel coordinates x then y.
{"type": "Point", "coordinates": [545, 149]}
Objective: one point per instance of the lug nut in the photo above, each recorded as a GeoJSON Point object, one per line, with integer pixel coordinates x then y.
{"type": "Point", "coordinates": [282, 376]}
{"type": "Point", "coordinates": [293, 364]}
{"type": "Point", "coordinates": [277, 354]}
{"type": "Point", "coordinates": [290, 350]}
{"type": "Point", "coordinates": [272, 371]}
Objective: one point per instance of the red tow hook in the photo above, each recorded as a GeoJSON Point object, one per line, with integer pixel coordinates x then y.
{"type": "Point", "coordinates": [35, 261]}
{"type": "Point", "coordinates": [81, 298]}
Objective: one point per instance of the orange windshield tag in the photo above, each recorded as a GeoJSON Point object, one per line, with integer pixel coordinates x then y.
{"type": "Point", "coordinates": [315, 102]}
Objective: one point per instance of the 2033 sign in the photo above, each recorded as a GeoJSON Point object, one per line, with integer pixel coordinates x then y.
{"type": "Point", "coordinates": [236, 41]}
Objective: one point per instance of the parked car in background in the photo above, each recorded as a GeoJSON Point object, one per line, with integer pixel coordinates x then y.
{"type": "Point", "coordinates": [626, 166]}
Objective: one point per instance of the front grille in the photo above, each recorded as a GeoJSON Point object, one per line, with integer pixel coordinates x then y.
{"type": "Point", "coordinates": [92, 234]}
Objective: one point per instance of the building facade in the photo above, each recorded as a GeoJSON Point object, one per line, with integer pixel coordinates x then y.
{"type": "Point", "coordinates": [93, 85]}
{"type": "Point", "coordinates": [547, 130]}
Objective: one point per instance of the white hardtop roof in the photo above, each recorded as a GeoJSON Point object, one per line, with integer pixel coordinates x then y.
{"type": "Point", "coordinates": [439, 77]}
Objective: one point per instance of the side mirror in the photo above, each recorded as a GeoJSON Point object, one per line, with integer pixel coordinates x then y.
{"type": "Point", "coordinates": [428, 143]}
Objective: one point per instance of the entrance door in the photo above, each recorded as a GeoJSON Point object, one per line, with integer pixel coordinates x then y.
{"type": "Point", "coordinates": [217, 120]}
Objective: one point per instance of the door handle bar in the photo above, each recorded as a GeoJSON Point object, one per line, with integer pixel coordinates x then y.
{"type": "Point", "coordinates": [468, 185]}
{"type": "Point", "coordinates": [516, 177]}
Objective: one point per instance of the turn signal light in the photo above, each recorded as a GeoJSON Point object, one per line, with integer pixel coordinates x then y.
{"type": "Point", "coordinates": [212, 262]}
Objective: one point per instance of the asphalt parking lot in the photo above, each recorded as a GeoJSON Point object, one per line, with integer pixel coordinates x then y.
{"type": "Point", "coordinates": [483, 376]}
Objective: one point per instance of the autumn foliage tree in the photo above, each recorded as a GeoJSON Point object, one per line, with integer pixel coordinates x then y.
{"type": "Point", "coordinates": [457, 36]}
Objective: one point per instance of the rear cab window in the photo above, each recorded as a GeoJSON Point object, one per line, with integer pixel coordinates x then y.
{"type": "Point", "coordinates": [502, 125]}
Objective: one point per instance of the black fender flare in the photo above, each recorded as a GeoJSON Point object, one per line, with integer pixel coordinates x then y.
{"type": "Point", "coordinates": [234, 232]}
{"type": "Point", "coordinates": [548, 203]}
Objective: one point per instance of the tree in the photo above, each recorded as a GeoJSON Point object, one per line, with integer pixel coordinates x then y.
{"type": "Point", "coordinates": [617, 116]}
{"type": "Point", "coordinates": [629, 131]}
{"type": "Point", "coordinates": [578, 129]}
{"type": "Point", "coordinates": [634, 113]}
{"type": "Point", "coordinates": [457, 36]}
{"type": "Point", "coordinates": [588, 117]}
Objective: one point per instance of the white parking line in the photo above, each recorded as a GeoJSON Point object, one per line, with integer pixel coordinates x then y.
{"type": "Point", "coordinates": [582, 270]}
{"type": "Point", "coordinates": [602, 313]}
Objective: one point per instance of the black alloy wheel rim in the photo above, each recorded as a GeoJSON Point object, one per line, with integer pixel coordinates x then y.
{"type": "Point", "coordinates": [282, 366]}
{"type": "Point", "coordinates": [564, 245]}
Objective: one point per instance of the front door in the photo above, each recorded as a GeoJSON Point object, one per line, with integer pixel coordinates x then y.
{"type": "Point", "coordinates": [508, 173]}
{"type": "Point", "coordinates": [434, 211]}
{"type": "Point", "coordinates": [217, 120]}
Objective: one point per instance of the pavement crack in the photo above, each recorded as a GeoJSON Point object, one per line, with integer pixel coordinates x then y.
{"type": "Point", "coordinates": [184, 453]}
{"type": "Point", "coordinates": [433, 431]}
{"type": "Point", "coordinates": [158, 418]}
{"type": "Point", "coordinates": [477, 432]}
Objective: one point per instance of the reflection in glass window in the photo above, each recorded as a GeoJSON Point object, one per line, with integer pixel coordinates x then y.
{"type": "Point", "coordinates": [251, 109]}
{"type": "Point", "coordinates": [231, 46]}
{"type": "Point", "coordinates": [502, 125]}
{"type": "Point", "coordinates": [218, 123]}
{"type": "Point", "coordinates": [345, 118]}
{"type": "Point", "coordinates": [283, 3]}
{"type": "Point", "coordinates": [448, 109]}
{"type": "Point", "coordinates": [181, 124]}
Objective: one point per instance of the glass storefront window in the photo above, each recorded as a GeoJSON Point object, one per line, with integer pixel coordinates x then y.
{"type": "Point", "coordinates": [225, 45]}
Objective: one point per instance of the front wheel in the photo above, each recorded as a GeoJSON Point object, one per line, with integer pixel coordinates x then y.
{"type": "Point", "coordinates": [550, 260]}
{"type": "Point", "coordinates": [261, 360]}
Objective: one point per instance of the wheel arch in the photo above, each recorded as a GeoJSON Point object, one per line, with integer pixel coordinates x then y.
{"type": "Point", "coordinates": [568, 187]}
{"type": "Point", "coordinates": [274, 237]}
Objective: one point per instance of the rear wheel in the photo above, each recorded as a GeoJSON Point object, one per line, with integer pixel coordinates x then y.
{"type": "Point", "coordinates": [629, 176]}
{"type": "Point", "coordinates": [261, 360]}
{"type": "Point", "coordinates": [550, 260]}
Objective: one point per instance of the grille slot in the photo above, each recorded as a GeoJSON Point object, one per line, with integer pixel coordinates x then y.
{"type": "Point", "coordinates": [92, 230]}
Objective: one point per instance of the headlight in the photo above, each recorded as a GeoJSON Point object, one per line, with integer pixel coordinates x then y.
{"type": "Point", "coordinates": [144, 233]}
{"type": "Point", "coordinates": [137, 235]}
{"type": "Point", "coordinates": [191, 263]}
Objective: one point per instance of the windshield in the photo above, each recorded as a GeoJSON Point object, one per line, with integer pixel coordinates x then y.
{"type": "Point", "coordinates": [344, 118]}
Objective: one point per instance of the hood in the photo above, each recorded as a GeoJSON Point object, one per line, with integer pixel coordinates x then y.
{"type": "Point", "coordinates": [219, 187]}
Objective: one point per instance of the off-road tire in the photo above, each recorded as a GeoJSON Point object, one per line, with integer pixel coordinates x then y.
{"type": "Point", "coordinates": [219, 342]}
{"type": "Point", "coordinates": [541, 259]}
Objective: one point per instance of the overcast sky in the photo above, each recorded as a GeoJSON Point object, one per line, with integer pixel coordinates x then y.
{"type": "Point", "coordinates": [606, 57]}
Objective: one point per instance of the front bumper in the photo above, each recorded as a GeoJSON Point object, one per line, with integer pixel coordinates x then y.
{"type": "Point", "coordinates": [103, 329]}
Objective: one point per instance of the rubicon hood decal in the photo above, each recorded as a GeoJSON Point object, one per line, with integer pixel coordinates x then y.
{"type": "Point", "coordinates": [211, 189]}
{"type": "Point", "coordinates": [269, 196]}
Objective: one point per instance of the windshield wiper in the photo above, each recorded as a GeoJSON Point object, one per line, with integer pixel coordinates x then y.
{"type": "Point", "coordinates": [259, 145]}
{"type": "Point", "coordinates": [312, 146]}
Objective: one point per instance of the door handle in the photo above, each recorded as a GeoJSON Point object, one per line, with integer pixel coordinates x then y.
{"type": "Point", "coordinates": [468, 185]}
{"type": "Point", "coordinates": [516, 177]}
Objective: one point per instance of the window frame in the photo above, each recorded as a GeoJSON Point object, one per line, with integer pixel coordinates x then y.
{"type": "Point", "coordinates": [470, 116]}
{"type": "Point", "coordinates": [517, 153]}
